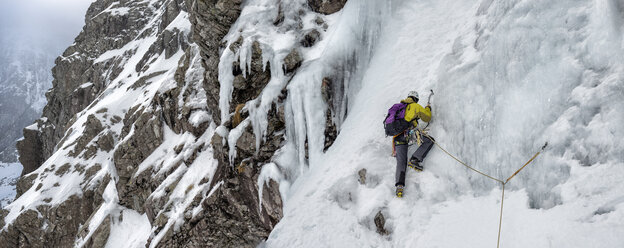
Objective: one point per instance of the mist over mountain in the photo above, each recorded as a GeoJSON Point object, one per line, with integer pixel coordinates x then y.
{"type": "Point", "coordinates": [32, 34]}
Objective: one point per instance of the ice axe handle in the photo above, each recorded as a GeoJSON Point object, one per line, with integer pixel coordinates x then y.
{"type": "Point", "coordinates": [429, 100]}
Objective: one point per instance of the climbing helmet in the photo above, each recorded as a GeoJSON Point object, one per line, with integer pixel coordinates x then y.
{"type": "Point", "coordinates": [413, 94]}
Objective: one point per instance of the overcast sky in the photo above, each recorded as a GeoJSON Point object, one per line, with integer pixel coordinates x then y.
{"type": "Point", "coordinates": [51, 23]}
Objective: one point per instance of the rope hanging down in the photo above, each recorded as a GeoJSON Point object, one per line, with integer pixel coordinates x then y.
{"type": "Point", "coordinates": [503, 183]}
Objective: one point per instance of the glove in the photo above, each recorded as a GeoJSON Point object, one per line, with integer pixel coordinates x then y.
{"type": "Point", "coordinates": [428, 106]}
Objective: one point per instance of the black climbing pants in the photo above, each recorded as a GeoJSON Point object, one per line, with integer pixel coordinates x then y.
{"type": "Point", "coordinates": [401, 146]}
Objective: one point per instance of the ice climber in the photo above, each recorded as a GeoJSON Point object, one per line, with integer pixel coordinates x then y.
{"type": "Point", "coordinates": [401, 123]}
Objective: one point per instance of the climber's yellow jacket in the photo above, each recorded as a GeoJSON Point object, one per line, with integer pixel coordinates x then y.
{"type": "Point", "coordinates": [415, 111]}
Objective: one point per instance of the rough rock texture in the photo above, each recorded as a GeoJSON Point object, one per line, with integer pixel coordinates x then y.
{"type": "Point", "coordinates": [362, 175]}
{"type": "Point", "coordinates": [326, 6]}
{"type": "Point", "coordinates": [328, 93]}
{"type": "Point", "coordinates": [58, 225]}
{"type": "Point", "coordinates": [29, 146]}
{"type": "Point", "coordinates": [248, 87]}
{"type": "Point", "coordinates": [292, 61]}
{"type": "Point", "coordinates": [380, 223]}
{"type": "Point", "coordinates": [310, 38]}
{"type": "Point", "coordinates": [231, 216]}
{"type": "Point", "coordinates": [211, 21]}
{"type": "Point", "coordinates": [78, 79]}
{"type": "Point", "coordinates": [141, 166]}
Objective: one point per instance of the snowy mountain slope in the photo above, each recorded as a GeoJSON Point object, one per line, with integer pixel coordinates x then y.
{"type": "Point", "coordinates": [204, 123]}
{"type": "Point", "coordinates": [508, 76]}
{"type": "Point", "coordinates": [126, 142]}
{"type": "Point", "coordinates": [82, 164]}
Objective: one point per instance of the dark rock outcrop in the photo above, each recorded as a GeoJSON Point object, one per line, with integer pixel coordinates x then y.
{"type": "Point", "coordinates": [248, 87]}
{"type": "Point", "coordinates": [310, 38]}
{"type": "Point", "coordinates": [231, 217]}
{"type": "Point", "coordinates": [331, 132]}
{"type": "Point", "coordinates": [211, 21]}
{"type": "Point", "coordinates": [31, 146]}
{"type": "Point", "coordinates": [326, 6]}
{"type": "Point", "coordinates": [292, 61]}
{"type": "Point", "coordinates": [380, 223]}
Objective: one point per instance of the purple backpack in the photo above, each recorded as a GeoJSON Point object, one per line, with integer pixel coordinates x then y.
{"type": "Point", "coordinates": [395, 122]}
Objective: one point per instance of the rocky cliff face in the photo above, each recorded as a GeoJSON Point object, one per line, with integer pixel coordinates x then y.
{"type": "Point", "coordinates": [169, 118]}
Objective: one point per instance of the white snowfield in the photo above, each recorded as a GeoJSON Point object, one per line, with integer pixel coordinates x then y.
{"type": "Point", "coordinates": [508, 76]}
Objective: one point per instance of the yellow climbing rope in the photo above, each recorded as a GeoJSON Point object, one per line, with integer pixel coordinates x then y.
{"type": "Point", "coordinates": [464, 164]}
{"type": "Point", "coordinates": [528, 162]}
{"type": "Point", "coordinates": [503, 183]}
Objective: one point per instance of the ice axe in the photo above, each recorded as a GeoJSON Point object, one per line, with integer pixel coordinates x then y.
{"type": "Point", "coordinates": [429, 100]}
{"type": "Point", "coordinates": [428, 104]}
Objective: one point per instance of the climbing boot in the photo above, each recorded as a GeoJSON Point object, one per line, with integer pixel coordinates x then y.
{"type": "Point", "coordinates": [399, 191]}
{"type": "Point", "coordinates": [414, 164]}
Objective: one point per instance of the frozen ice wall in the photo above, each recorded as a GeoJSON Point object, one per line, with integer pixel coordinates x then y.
{"type": "Point", "coordinates": [531, 72]}
{"type": "Point", "coordinates": [508, 76]}
{"type": "Point", "coordinates": [342, 55]}
{"type": "Point", "coordinates": [344, 58]}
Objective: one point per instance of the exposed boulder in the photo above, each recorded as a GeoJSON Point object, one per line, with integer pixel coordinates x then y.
{"type": "Point", "coordinates": [248, 87]}
{"type": "Point", "coordinates": [310, 38]}
{"type": "Point", "coordinates": [326, 6]}
{"type": "Point", "coordinates": [31, 147]}
{"type": "Point", "coordinates": [147, 136]}
{"type": "Point", "coordinates": [380, 223]}
{"type": "Point", "coordinates": [362, 175]}
{"type": "Point", "coordinates": [24, 183]}
{"type": "Point", "coordinates": [92, 128]}
{"type": "Point", "coordinates": [292, 61]}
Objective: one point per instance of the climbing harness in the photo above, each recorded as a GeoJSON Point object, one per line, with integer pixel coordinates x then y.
{"type": "Point", "coordinates": [394, 143]}
{"type": "Point", "coordinates": [503, 183]}
{"type": "Point", "coordinates": [415, 137]}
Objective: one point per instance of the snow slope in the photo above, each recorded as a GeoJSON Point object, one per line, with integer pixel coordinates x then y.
{"type": "Point", "coordinates": [10, 173]}
{"type": "Point", "coordinates": [508, 76]}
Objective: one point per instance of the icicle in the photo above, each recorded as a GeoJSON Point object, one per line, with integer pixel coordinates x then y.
{"type": "Point", "coordinates": [226, 79]}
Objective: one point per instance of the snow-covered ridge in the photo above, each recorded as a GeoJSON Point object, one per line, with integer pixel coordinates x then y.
{"type": "Point", "coordinates": [86, 160]}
